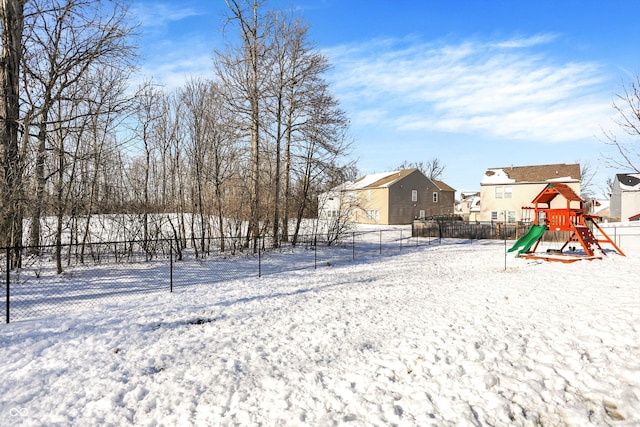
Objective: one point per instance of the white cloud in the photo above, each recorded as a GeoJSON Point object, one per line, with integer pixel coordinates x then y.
{"type": "Point", "coordinates": [522, 42]}
{"type": "Point", "coordinates": [173, 74]}
{"type": "Point", "coordinates": [511, 89]}
{"type": "Point", "coordinates": [160, 14]}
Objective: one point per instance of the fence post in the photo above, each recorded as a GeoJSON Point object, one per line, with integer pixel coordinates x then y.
{"type": "Point", "coordinates": [170, 266]}
{"type": "Point", "coordinates": [315, 253]}
{"type": "Point", "coordinates": [400, 240]}
{"type": "Point", "coordinates": [259, 258]}
{"type": "Point", "coordinates": [353, 245]}
{"type": "Point", "coordinates": [380, 242]}
{"type": "Point", "coordinates": [8, 281]}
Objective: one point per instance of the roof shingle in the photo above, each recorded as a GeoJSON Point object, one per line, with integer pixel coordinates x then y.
{"type": "Point", "coordinates": [540, 173]}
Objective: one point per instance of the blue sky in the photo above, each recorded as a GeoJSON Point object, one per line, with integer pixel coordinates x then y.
{"type": "Point", "coordinates": [476, 84]}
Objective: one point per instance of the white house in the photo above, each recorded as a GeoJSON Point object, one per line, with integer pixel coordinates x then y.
{"type": "Point", "coordinates": [625, 197]}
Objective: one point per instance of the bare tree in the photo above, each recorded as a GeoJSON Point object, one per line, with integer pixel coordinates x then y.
{"type": "Point", "coordinates": [242, 71]}
{"type": "Point", "coordinates": [587, 175]}
{"type": "Point", "coordinates": [294, 128]}
{"type": "Point", "coordinates": [147, 115]}
{"type": "Point", "coordinates": [324, 144]}
{"type": "Point", "coordinates": [65, 41]}
{"type": "Point", "coordinates": [12, 21]}
{"type": "Point", "coordinates": [222, 154]}
{"type": "Point", "coordinates": [627, 106]}
{"type": "Point", "coordinates": [433, 169]}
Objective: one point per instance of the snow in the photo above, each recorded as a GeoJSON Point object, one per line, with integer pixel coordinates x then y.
{"type": "Point", "coordinates": [367, 180]}
{"type": "Point", "coordinates": [498, 176]}
{"type": "Point", "coordinates": [560, 179]}
{"type": "Point", "coordinates": [449, 334]}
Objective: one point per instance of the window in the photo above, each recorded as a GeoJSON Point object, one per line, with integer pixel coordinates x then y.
{"type": "Point", "coordinates": [373, 214]}
{"type": "Point", "coordinates": [422, 214]}
{"type": "Point", "coordinates": [508, 192]}
{"type": "Point", "coordinates": [498, 192]}
{"type": "Point", "coordinates": [414, 195]}
{"type": "Point", "coordinates": [435, 197]}
{"type": "Point", "coordinates": [494, 215]}
{"type": "Point", "coordinates": [511, 216]}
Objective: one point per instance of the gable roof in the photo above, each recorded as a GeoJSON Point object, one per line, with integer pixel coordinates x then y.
{"type": "Point", "coordinates": [386, 179]}
{"type": "Point", "coordinates": [442, 186]}
{"type": "Point", "coordinates": [532, 174]}
{"type": "Point", "coordinates": [629, 181]}
{"type": "Point", "coordinates": [383, 179]}
{"type": "Point", "coordinates": [551, 191]}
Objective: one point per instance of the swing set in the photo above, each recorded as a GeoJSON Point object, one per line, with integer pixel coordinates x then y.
{"type": "Point", "coordinates": [570, 218]}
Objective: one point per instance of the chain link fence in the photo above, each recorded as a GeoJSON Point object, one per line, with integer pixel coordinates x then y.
{"type": "Point", "coordinates": [44, 280]}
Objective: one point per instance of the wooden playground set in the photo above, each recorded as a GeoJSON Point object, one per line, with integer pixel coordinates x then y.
{"type": "Point", "coordinates": [570, 218]}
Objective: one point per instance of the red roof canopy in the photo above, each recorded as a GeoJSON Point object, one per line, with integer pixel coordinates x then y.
{"type": "Point", "coordinates": [552, 190]}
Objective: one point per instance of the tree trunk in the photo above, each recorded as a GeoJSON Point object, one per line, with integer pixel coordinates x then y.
{"type": "Point", "coordinates": [12, 20]}
{"type": "Point", "coordinates": [40, 182]}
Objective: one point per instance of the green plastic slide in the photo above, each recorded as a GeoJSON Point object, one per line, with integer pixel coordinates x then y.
{"type": "Point", "coordinates": [524, 243]}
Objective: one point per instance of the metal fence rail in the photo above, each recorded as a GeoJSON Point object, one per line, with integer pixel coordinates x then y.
{"type": "Point", "coordinates": [108, 272]}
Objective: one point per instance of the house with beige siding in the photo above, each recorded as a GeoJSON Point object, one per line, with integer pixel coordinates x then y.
{"type": "Point", "coordinates": [389, 198]}
{"type": "Point", "coordinates": [505, 191]}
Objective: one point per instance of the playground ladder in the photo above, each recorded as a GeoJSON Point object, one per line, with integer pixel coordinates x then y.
{"type": "Point", "coordinates": [583, 235]}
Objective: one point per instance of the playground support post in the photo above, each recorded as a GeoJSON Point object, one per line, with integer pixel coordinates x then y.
{"type": "Point", "coordinates": [504, 233]}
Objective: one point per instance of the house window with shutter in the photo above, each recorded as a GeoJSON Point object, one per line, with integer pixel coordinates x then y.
{"type": "Point", "coordinates": [414, 195]}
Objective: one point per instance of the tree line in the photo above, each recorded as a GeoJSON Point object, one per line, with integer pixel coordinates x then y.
{"type": "Point", "coordinates": [83, 152]}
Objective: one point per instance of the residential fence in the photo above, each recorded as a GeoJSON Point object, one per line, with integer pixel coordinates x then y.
{"type": "Point", "coordinates": [35, 284]}
{"type": "Point", "coordinates": [625, 235]}
{"type": "Point", "coordinates": [44, 280]}
{"type": "Point", "coordinates": [448, 228]}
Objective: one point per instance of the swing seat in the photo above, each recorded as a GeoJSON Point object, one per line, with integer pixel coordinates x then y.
{"type": "Point", "coordinates": [554, 251]}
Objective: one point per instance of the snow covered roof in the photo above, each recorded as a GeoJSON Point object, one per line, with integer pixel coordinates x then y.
{"type": "Point", "coordinates": [496, 176]}
{"type": "Point", "coordinates": [374, 180]}
{"type": "Point", "coordinates": [541, 173]}
{"type": "Point", "coordinates": [383, 179]}
{"type": "Point", "coordinates": [629, 181]}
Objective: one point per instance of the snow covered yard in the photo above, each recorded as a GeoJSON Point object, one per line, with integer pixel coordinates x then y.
{"type": "Point", "coordinates": [436, 335]}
